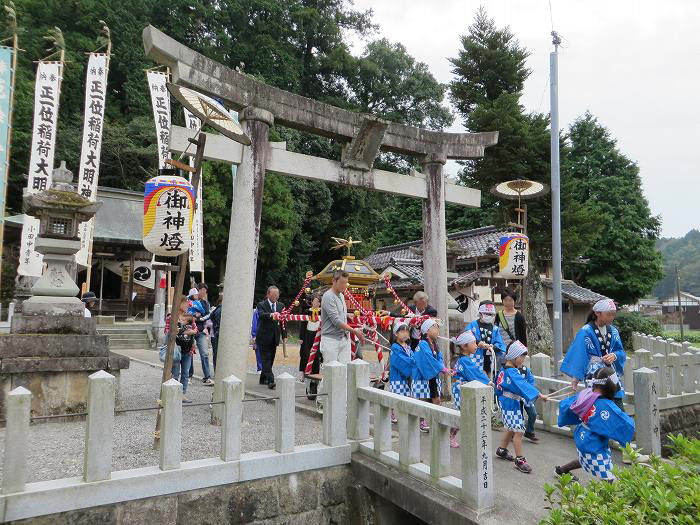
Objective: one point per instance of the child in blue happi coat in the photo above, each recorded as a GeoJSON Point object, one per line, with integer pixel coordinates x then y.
{"type": "Point", "coordinates": [598, 419]}
{"type": "Point", "coordinates": [597, 345]}
{"type": "Point", "coordinates": [401, 363]}
{"type": "Point", "coordinates": [426, 383]}
{"type": "Point", "coordinates": [489, 341]}
{"type": "Point", "coordinates": [514, 392]}
{"type": "Point", "coordinates": [466, 370]}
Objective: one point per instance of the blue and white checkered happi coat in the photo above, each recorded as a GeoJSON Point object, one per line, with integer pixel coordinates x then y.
{"type": "Point", "coordinates": [478, 358]}
{"type": "Point", "coordinates": [400, 387]}
{"type": "Point", "coordinates": [421, 388]}
{"type": "Point", "coordinates": [599, 465]}
{"type": "Point", "coordinates": [513, 420]}
{"type": "Point", "coordinates": [456, 394]}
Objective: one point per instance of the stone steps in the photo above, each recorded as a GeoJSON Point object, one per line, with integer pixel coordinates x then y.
{"type": "Point", "coordinates": [127, 338]}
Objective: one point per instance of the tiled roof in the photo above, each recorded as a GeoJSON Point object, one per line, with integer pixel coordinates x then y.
{"type": "Point", "coordinates": [478, 242]}
{"type": "Point", "coordinates": [573, 291]}
{"type": "Point", "coordinates": [413, 270]}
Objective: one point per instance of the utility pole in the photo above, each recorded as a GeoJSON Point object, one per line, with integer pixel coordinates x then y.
{"type": "Point", "coordinates": [678, 292]}
{"type": "Point", "coordinates": [556, 205]}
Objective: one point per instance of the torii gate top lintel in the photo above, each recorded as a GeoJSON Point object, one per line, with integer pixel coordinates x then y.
{"type": "Point", "coordinates": [240, 90]}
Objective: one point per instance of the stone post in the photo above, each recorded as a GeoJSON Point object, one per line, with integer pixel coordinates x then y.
{"type": "Point", "coordinates": [689, 373]}
{"type": "Point", "coordinates": [335, 415]}
{"type": "Point", "coordinates": [477, 465]}
{"type": "Point", "coordinates": [242, 252]}
{"type": "Point", "coordinates": [10, 312]}
{"type": "Point", "coordinates": [409, 439]}
{"type": "Point", "coordinates": [541, 366]}
{"type": "Point", "coordinates": [358, 409]}
{"type": "Point", "coordinates": [642, 358]}
{"type": "Point", "coordinates": [646, 411]}
{"type": "Point", "coordinates": [630, 366]}
{"type": "Point", "coordinates": [171, 425]}
{"type": "Point", "coordinates": [435, 237]}
{"type": "Point", "coordinates": [284, 414]}
{"type": "Point", "coordinates": [659, 366]}
{"type": "Point", "coordinates": [231, 419]}
{"type": "Point", "coordinates": [17, 412]}
{"type": "Point", "coordinates": [675, 364]}
{"type": "Point", "coordinates": [99, 428]}
{"type": "Point", "coordinates": [382, 428]}
{"type": "Point", "coordinates": [635, 340]}
{"type": "Point", "coordinates": [439, 449]}
{"type": "Point", "coordinates": [686, 345]}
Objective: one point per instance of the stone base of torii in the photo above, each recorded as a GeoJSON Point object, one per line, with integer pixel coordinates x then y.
{"type": "Point", "coordinates": [260, 106]}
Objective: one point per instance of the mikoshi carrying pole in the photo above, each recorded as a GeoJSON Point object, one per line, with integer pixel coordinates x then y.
{"type": "Point", "coordinates": [556, 204]}
{"type": "Point", "coordinates": [182, 261]}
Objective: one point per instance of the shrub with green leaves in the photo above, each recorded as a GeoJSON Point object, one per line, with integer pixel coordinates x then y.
{"type": "Point", "coordinates": [665, 492]}
{"type": "Point", "coordinates": [629, 322]}
{"type": "Point", "coordinates": [692, 336]}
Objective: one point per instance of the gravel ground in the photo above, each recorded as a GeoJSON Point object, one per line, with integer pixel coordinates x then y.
{"type": "Point", "coordinates": [55, 450]}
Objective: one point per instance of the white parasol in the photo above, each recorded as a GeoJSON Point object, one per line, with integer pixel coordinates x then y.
{"type": "Point", "coordinates": [210, 112]}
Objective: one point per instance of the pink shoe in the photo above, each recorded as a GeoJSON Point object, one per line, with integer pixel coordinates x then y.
{"type": "Point", "coordinates": [424, 427]}
{"type": "Point", "coordinates": [393, 417]}
{"type": "Point", "coordinates": [453, 438]}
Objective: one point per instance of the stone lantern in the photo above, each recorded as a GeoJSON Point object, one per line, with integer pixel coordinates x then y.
{"type": "Point", "coordinates": [60, 210]}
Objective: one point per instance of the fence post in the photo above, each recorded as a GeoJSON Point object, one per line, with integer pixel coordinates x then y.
{"type": "Point", "coordinates": [284, 412]}
{"type": "Point", "coordinates": [439, 449]}
{"type": "Point", "coordinates": [686, 345]}
{"type": "Point", "coordinates": [409, 438]}
{"type": "Point", "coordinates": [99, 428]}
{"type": "Point", "coordinates": [636, 337]}
{"type": "Point", "coordinates": [660, 346]}
{"type": "Point", "coordinates": [642, 358]}
{"type": "Point", "coordinates": [630, 365]}
{"type": "Point", "coordinates": [231, 421]}
{"type": "Point", "coordinates": [689, 372]}
{"type": "Point", "coordinates": [646, 411]}
{"type": "Point", "coordinates": [358, 409]}
{"type": "Point", "coordinates": [669, 346]}
{"type": "Point", "coordinates": [336, 406]}
{"type": "Point", "coordinates": [659, 366]}
{"type": "Point", "coordinates": [171, 425]}
{"type": "Point", "coordinates": [541, 366]}
{"type": "Point", "coordinates": [477, 465]}
{"type": "Point", "coordinates": [675, 363]}
{"type": "Point", "coordinates": [18, 405]}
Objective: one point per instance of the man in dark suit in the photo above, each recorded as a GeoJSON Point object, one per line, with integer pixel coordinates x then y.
{"type": "Point", "coordinates": [268, 335]}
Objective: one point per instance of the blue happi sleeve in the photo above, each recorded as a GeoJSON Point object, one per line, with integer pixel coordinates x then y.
{"type": "Point", "coordinates": [401, 364]}
{"type": "Point", "coordinates": [467, 371]}
{"type": "Point", "coordinates": [427, 366]}
{"type": "Point", "coordinates": [611, 422]}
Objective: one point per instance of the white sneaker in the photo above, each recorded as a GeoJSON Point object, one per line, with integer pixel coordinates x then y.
{"type": "Point", "coordinates": [319, 407]}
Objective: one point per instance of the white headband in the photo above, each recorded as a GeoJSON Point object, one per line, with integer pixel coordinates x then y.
{"type": "Point", "coordinates": [613, 377]}
{"type": "Point", "coordinates": [515, 349]}
{"type": "Point", "coordinates": [488, 308]}
{"type": "Point", "coordinates": [605, 305]}
{"type": "Point", "coordinates": [464, 338]}
{"type": "Point", "coordinates": [399, 326]}
{"type": "Point", "coordinates": [427, 325]}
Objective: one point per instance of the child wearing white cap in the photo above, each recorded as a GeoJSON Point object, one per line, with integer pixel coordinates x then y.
{"type": "Point", "coordinates": [426, 382]}
{"type": "Point", "coordinates": [465, 370]}
{"type": "Point", "coordinates": [401, 363]}
{"type": "Point", "coordinates": [513, 393]}
{"type": "Point", "coordinates": [488, 337]}
{"type": "Point", "coordinates": [598, 344]}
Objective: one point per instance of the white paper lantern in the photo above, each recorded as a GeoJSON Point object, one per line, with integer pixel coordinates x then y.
{"type": "Point", "coordinates": [168, 209]}
{"type": "Point", "coordinates": [513, 256]}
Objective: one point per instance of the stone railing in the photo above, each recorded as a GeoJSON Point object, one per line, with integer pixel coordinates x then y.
{"type": "Point", "coordinates": [475, 487]}
{"type": "Point", "coordinates": [678, 364]}
{"type": "Point", "coordinates": [651, 387]}
{"type": "Point", "coordinates": [100, 485]}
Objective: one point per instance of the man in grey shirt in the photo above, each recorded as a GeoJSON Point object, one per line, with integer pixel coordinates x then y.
{"type": "Point", "coordinates": [335, 330]}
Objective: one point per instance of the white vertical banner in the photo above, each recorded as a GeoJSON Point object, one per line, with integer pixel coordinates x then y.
{"type": "Point", "coordinates": [197, 250]}
{"type": "Point", "coordinates": [160, 100]}
{"type": "Point", "coordinates": [93, 122]}
{"type": "Point", "coordinates": [47, 89]}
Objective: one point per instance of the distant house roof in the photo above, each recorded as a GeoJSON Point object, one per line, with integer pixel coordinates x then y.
{"type": "Point", "coordinates": [119, 220]}
{"type": "Point", "coordinates": [686, 299]}
{"type": "Point", "coordinates": [408, 273]}
{"type": "Point", "coordinates": [573, 291]}
{"type": "Point", "coordinates": [479, 242]}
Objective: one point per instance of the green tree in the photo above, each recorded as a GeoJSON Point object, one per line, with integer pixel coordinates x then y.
{"type": "Point", "coordinates": [682, 253]}
{"type": "Point", "coordinates": [623, 261]}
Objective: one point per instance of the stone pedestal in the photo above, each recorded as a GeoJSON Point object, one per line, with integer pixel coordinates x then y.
{"type": "Point", "coordinates": [52, 356]}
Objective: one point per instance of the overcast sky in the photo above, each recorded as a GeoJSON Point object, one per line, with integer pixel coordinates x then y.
{"type": "Point", "coordinates": [632, 63]}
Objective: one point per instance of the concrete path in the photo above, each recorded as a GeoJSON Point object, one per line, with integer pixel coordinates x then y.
{"type": "Point", "coordinates": [519, 497]}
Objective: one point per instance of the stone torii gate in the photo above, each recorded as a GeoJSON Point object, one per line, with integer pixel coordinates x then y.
{"type": "Point", "coordinates": [363, 136]}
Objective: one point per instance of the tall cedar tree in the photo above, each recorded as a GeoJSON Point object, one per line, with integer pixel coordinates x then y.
{"type": "Point", "coordinates": [623, 260]}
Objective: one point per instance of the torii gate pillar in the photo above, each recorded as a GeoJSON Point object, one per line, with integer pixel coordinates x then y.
{"type": "Point", "coordinates": [242, 251]}
{"type": "Point", "coordinates": [435, 236]}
